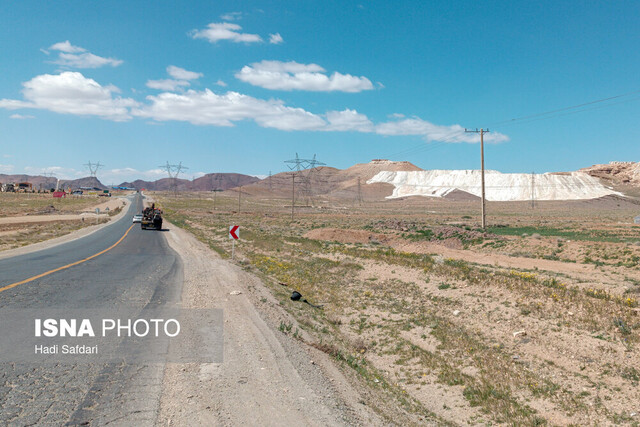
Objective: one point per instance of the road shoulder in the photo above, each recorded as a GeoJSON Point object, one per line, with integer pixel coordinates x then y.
{"type": "Point", "coordinates": [267, 377]}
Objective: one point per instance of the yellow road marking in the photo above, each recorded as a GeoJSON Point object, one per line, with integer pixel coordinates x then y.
{"type": "Point", "coordinates": [13, 285]}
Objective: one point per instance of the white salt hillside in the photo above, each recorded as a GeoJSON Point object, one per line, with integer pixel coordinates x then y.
{"type": "Point", "coordinates": [499, 186]}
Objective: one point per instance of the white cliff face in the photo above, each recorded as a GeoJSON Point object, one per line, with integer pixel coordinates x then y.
{"type": "Point", "coordinates": [498, 186]}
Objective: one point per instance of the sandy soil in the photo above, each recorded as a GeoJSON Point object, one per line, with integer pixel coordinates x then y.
{"type": "Point", "coordinates": [267, 377]}
{"type": "Point", "coordinates": [586, 275]}
{"type": "Point", "coordinates": [516, 334]}
{"type": "Point", "coordinates": [67, 237]}
{"type": "Point", "coordinates": [112, 204]}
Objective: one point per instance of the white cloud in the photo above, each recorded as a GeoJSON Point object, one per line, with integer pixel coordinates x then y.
{"type": "Point", "coordinates": [348, 120]}
{"type": "Point", "coordinates": [180, 79]}
{"type": "Point", "coordinates": [208, 108]}
{"type": "Point", "coordinates": [72, 93]}
{"type": "Point", "coordinates": [106, 176]}
{"type": "Point", "coordinates": [279, 75]}
{"type": "Point", "coordinates": [167, 84]}
{"type": "Point", "coordinates": [231, 16]}
{"type": "Point", "coordinates": [77, 57]}
{"type": "Point", "coordinates": [433, 132]}
{"type": "Point", "coordinates": [225, 31]}
{"type": "Point", "coordinates": [275, 38]}
{"type": "Point", "coordinates": [221, 83]}
{"type": "Point", "coordinates": [59, 172]}
{"type": "Point", "coordinates": [85, 60]}
{"type": "Point", "coordinates": [6, 168]}
{"type": "Point", "coordinates": [67, 47]}
{"type": "Point", "coordinates": [182, 74]}
{"type": "Point", "coordinates": [21, 116]}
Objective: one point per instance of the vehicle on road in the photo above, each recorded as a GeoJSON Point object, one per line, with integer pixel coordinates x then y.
{"type": "Point", "coordinates": [151, 218]}
{"type": "Point", "coordinates": [137, 218]}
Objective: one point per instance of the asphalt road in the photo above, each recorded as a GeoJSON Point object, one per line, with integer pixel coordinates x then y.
{"type": "Point", "coordinates": [140, 271]}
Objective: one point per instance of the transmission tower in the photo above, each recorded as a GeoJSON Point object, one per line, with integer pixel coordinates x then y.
{"type": "Point", "coordinates": [303, 170]}
{"type": "Point", "coordinates": [48, 176]}
{"type": "Point", "coordinates": [93, 168]}
{"type": "Point", "coordinates": [173, 171]}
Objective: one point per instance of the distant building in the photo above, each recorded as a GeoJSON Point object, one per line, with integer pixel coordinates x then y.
{"type": "Point", "coordinates": [24, 187]}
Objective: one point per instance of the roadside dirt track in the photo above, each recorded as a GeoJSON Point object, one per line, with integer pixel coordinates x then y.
{"type": "Point", "coordinates": [67, 237]}
{"type": "Point", "coordinates": [111, 204]}
{"type": "Point", "coordinates": [267, 377]}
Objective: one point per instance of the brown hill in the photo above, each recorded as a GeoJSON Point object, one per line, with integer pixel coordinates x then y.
{"type": "Point", "coordinates": [616, 172]}
{"type": "Point", "coordinates": [39, 182]}
{"type": "Point", "coordinates": [222, 181]}
{"type": "Point", "coordinates": [328, 181]}
{"type": "Point", "coordinates": [369, 170]}
{"type": "Point", "coordinates": [45, 183]}
{"type": "Point", "coordinates": [208, 182]}
{"type": "Point", "coordinates": [89, 181]}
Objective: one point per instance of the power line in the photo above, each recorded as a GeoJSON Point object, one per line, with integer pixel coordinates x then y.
{"type": "Point", "coordinates": [93, 168]}
{"type": "Point", "coordinates": [558, 110]}
{"type": "Point", "coordinates": [173, 171]}
{"type": "Point", "coordinates": [425, 147]}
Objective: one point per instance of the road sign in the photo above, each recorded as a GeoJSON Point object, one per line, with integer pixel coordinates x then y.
{"type": "Point", "coordinates": [234, 233]}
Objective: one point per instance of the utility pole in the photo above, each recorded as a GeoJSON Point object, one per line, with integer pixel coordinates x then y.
{"type": "Point", "coordinates": [359, 192]}
{"type": "Point", "coordinates": [293, 193]}
{"type": "Point", "coordinates": [49, 176]}
{"type": "Point", "coordinates": [239, 197]}
{"type": "Point", "coordinates": [270, 187]}
{"type": "Point", "coordinates": [482, 132]}
{"type": "Point", "coordinates": [215, 192]}
{"type": "Point", "coordinates": [533, 197]}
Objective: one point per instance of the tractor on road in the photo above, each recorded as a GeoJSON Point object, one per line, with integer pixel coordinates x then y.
{"type": "Point", "coordinates": [151, 218]}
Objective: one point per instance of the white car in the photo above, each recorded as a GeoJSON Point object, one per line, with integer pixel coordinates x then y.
{"type": "Point", "coordinates": [137, 218]}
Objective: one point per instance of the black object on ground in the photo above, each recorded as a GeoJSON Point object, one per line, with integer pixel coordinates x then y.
{"type": "Point", "coordinates": [297, 296]}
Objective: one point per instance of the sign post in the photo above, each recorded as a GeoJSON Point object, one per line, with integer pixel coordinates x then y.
{"type": "Point", "coordinates": [234, 234]}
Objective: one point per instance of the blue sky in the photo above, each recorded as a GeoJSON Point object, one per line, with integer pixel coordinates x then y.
{"type": "Point", "coordinates": [243, 86]}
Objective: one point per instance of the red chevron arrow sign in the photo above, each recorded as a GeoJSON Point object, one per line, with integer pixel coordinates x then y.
{"type": "Point", "coordinates": [234, 232]}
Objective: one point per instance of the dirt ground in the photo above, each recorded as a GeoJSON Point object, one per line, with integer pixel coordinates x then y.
{"type": "Point", "coordinates": [265, 379]}
{"type": "Point", "coordinates": [37, 217]}
{"type": "Point", "coordinates": [532, 321]}
{"type": "Point", "coordinates": [414, 314]}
